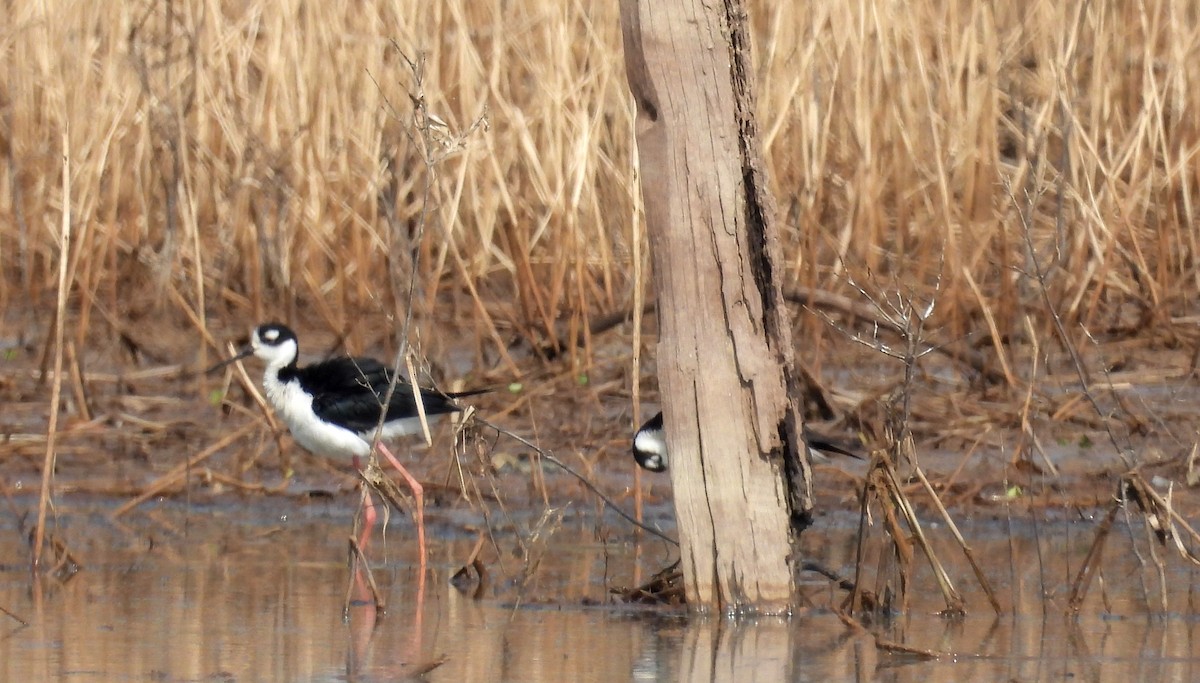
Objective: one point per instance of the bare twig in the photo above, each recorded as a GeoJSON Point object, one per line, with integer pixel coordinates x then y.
{"type": "Point", "coordinates": [1091, 563]}
{"type": "Point", "coordinates": [179, 472]}
{"type": "Point", "coordinates": [583, 480]}
{"type": "Point", "coordinates": [14, 617]}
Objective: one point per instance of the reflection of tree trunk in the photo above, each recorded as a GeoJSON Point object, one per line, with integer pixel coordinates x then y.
{"type": "Point", "coordinates": [741, 480]}
{"type": "Point", "coordinates": [736, 651]}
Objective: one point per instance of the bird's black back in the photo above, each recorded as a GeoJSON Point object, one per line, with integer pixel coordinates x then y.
{"type": "Point", "coordinates": [349, 392]}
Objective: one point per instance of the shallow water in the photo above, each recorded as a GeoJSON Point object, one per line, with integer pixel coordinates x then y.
{"type": "Point", "coordinates": [239, 592]}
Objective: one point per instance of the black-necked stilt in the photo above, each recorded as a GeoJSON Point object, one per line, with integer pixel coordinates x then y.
{"type": "Point", "coordinates": [650, 445]}
{"type": "Point", "coordinates": [333, 407]}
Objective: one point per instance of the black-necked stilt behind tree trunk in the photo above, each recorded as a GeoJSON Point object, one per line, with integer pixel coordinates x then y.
{"type": "Point", "coordinates": [334, 407]}
{"type": "Point", "coordinates": [650, 445]}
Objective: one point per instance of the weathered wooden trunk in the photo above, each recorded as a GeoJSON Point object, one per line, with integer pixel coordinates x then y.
{"type": "Point", "coordinates": [739, 468]}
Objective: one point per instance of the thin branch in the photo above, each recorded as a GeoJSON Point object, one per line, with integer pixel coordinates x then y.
{"type": "Point", "coordinates": [582, 479]}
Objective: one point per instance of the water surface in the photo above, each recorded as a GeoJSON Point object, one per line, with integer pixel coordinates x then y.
{"type": "Point", "coordinates": [238, 591]}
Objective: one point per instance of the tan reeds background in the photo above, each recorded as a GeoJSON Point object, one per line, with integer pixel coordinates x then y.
{"type": "Point", "coordinates": [236, 161]}
{"type": "Point", "coordinates": [232, 161]}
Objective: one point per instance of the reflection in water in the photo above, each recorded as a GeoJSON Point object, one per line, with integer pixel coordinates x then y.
{"type": "Point", "coordinates": [254, 602]}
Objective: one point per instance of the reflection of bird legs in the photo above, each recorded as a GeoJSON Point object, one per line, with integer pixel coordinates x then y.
{"type": "Point", "coordinates": [419, 505]}
{"type": "Point", "coordinates": [362, 590]}
{"type": "Point", "coordinates": [362, 593]}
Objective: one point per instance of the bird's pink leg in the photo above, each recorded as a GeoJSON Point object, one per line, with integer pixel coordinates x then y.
{"type": "Point", "coordinates": [419, 497]}
{"type": "Point", "coordinates": [367, 506]}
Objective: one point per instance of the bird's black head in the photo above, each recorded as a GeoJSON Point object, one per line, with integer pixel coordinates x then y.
{"type": "Point", "coordinates": [272, 334]}
{"type": "Point", "coordinates": [275, 343]}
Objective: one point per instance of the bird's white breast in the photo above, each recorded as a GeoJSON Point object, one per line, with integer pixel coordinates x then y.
{"type": "Point", "coordinates": [294, 406]}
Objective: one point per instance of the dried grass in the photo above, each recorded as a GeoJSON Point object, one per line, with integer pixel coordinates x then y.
{"type": "Point", "coordinates": [1031, 165]}
{"type": "Point", "coordinates": [246, 160]}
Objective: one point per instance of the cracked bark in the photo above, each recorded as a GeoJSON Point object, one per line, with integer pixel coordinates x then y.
{"type": "Point", "coordinates": [741, 476]}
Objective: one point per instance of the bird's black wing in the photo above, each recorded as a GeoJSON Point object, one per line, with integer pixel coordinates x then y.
{"type": "Point", "coordinates": [349, 392]}
{"type": "Point", "coordinates": [344, 375]}
{"type": "Point", "coordinates": [404, 404]}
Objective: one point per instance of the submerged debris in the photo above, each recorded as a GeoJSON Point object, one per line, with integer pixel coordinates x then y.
{"type": "Point", "coordinates": [664, 588]}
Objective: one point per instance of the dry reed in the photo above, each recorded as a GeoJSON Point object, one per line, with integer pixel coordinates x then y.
{"type": "Point", "coordinates": [243, 158]}
{"type": "Point", "coordinates": [1030, 165]}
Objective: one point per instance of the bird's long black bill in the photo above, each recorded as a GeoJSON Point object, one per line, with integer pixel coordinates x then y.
{"type": "Point", "coordinates": [248, 351]}
{"type": "Point", "coordinates": [822, 443]}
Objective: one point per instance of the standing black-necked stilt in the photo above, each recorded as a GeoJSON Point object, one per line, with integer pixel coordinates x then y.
{"type": "Point", "coordinates": [333, 407]}
{"type": "Point", "coordinates": [650, 445]}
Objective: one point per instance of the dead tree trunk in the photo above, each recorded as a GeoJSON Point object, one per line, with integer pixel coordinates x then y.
{"type": "Point", "coordinates": [740, 472]}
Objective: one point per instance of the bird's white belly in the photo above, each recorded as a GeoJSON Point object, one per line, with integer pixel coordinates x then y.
{"type": "Point", "coordinates": [295, 408]}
